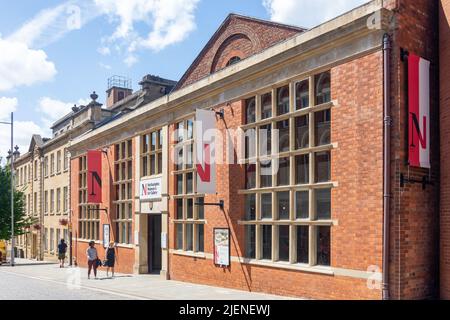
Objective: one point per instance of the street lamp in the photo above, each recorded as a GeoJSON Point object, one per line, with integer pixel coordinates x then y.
{"type": "Point", "coordinates": [12, 186]}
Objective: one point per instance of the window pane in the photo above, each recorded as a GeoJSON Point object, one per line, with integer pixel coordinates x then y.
{"type": "Point", "coordinates": [323, 88]}
{"type": "Point", "coordinates": [144, 166]}
{"type": "Point", "coordinates": [250, 143]}
{"type": "Point", "coordinates": [179, 236]}
{"type": "Point", "coordinates": [250, 110]}
{"type": "Point", "coordinates": [323, 166]}
{"type": "Point", "coordinates": [190, 129]}
{"type": "Point", "coordinates": [178, 158]}
{"type": "Point", "coordinates": [322, 129]}
{"type": "Point", "coordinates": [302, 204]}
{"type": "Point", "coordinates": [250, 176]}
{"type": "Point", "coordinates": [283, 177]}
{"type": "Point", "coordinates": [302, 94]}
{"type": "Point", "coordinates": [323, 204]}
{"type": "Point", "coordinates": [189, 237]}
{"type": "Point", "coordinates": [179, 204]}
{"type": "Point", "coordinates": [189, 183]}
{"type": "Point", "coordinates": [266, 106]}
{"type": "Point", "coordinates": [145, 143]}
{"type": "Point", "coordinates": [153, 140]}
{"type": "Point", "coordinates": [302, 244]}
{"type": "Point", "coordinates": [189, 156]}
{"type": "Point", "coordinates": [283, 205]}
{"type": "Point", "coordinates": [267, 242]}
{"type": "Point", "coordinates": [179, 184]}
{"type": "Point", "coordinates": [266, 174]}
{"type": "Point", "coordinates": [323, 246]}
{"type": "Point", "coordinates": [265, 140]}
{"type": "Point", "coordinates": [190, 209]}
{"type": "Point", "coordinates": [266, 205]}
{"type": "Point", "coordinates": [302, 169]}
{"type": "Point", "coordinates": [250, 207]}
{"type": "Point", "coordinates": [200, 246]}
{"type": "Point", "coordinates": [160, 139]}
{"type": "Point", "coordinates": [201, 208]}
{"type": "Point", "coordinates": [283, 243]}
{"type": "Point", "coordinates": [250, 241]}
{"type": "Point", "coordinates": [302, 132]}
{"type": "Point", "coordinates": [283, 100]}
{"type": "Point", "coordinates": [180, 131]}
{"type": "Point", "coordinates": [159, 163]}
{"type": "Point", "coordinates": [283, 135]}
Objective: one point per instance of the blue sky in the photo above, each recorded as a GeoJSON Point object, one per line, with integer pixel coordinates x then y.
{"type": "Point", "coordinates": [55, 53]}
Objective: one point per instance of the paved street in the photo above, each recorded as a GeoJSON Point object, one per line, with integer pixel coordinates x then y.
{"type": "Point", "coordinates": [46, 281]}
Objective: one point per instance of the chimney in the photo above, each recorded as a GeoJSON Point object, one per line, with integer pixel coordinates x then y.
{"type": "Point", "coordinates": [118, 89]}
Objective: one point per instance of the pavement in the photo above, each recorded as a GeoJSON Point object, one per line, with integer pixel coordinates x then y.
{"type": "Point", "coordinates": [30, 280]}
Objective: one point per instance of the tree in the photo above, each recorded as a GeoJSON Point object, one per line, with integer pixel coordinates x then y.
{"type": "Point", "coordinates": [21, 221]}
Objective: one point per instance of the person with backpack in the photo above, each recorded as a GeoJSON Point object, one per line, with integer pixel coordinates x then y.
{"type": "Point", "coordinates": [62, 249]}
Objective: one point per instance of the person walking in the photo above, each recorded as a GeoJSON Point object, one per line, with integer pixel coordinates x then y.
{"type": "Point", "coordinates": [92, 257]}
{"type": "Point", "coordinates": [62, 249]}
{"type": "Point", "coordinates": [110, 255]}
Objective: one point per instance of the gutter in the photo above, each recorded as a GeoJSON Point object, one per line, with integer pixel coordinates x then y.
{"type": "Point", "coordinates": [387, 163]}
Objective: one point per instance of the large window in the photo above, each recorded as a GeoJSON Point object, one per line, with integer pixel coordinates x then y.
{"type": "Point", "coordinates": [123, 183]}
{"type": "Point", "coordinates": [66, 200]}
{"type": "Point", "coordinates": [88, 215]}
{"type": "Point", "coordinates": [288, 214]}
{"type": "Point", "coordinates": [52, 164]}
{"type": "Point", "coordinates": [190, 216]}
{"type": "Point", "coordinates": [151, 153]}
{"type": "Point", "coordinates": [58, 200]}
{"type": "Point", "coordinates": [66, 160]}
{"type": "Point", "coordinates": [58, 162]}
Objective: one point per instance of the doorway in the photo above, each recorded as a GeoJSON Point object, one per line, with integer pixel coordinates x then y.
{"type": "Point", "coordinates": [154, 244]}
{"type": "Point", "coordinates": [34, 246]}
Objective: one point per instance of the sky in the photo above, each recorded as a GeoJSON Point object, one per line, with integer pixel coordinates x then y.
{"type": "Point", "coordinates": [54, 54]}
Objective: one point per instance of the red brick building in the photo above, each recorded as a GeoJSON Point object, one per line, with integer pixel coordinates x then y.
{"type": "Point", "coordinates": [444, 51]}
{"type": "Point", "coordinates": [308, 219]}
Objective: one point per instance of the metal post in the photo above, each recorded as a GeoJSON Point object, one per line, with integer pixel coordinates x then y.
{"type": "Point", "coordinates": [12, 190]}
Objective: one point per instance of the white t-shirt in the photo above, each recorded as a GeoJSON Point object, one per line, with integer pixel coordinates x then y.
{"type": "Point", "coordinates": [91, 254]}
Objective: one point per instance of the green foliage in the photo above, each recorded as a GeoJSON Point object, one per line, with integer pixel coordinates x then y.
{"type": "Point", "coordinates": [22, 221]}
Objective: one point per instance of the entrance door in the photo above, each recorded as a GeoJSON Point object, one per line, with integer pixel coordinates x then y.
{"type": "Point", "coordinates": [154, 243]}
{"type": "Point", "coordinates": [34, 246]}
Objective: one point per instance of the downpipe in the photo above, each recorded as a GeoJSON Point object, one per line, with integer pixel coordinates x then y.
{"type": "Point", "coordinates": [387, 164]}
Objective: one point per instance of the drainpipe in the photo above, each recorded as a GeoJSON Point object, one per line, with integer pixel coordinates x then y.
{"type": "Point", "coordinates": [387, 163]}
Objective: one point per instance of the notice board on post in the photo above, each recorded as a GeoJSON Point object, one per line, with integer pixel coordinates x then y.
{"type": "Point", "coordinates": [222, 247]}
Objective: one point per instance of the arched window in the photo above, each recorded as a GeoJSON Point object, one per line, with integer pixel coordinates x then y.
{"type": "Point", "coordinates": [302, 94]}
{"type": "Point", "coordinates": [283, 100]}
{"type": "Point", "coordinates": [233, 60]}
{"type": "Point", "coordinates": [323, 88]}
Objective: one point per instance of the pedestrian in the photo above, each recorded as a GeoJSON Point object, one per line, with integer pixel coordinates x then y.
{"type": "Point", "coordinates": [62, 249]}
{"type": "Point", "coordinates": [110, 255]}
{"type": "Point", "coordinates": [92, 257]}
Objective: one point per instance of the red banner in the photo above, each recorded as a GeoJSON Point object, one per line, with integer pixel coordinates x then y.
{"type": "Point", "coordinates": [419, 111]}
{"type": "Point", "coordinates": [94, 178]}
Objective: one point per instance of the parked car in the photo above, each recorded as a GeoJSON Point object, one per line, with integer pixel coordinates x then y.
{"type": "Point", "coordinates": [2, 252]}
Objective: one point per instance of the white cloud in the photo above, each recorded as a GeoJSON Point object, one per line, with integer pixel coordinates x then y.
{"type": "Point", "coordinates": [131, 60]}
{"type": "Point", "coordinates": [20, 65]}
{"type": "Point", "coordinates": [7, 105]}
{"type": "Point", "coordinates": [53, 109]}
{"type": "Point", "coordinates": [307, 13]}
{"type": "Point", "coordinates": [168, 22]}
{"type": "Point", "coordinates": [23, 131]}
{"type": "Point", "coordinates": [51, 24]}
{"type": "Point", "coordinates": [104, 51]}
{"type": "Point", "coordinates": [104, 66]}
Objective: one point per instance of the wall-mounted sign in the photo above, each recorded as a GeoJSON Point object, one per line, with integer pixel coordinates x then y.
{"type": "Point", "coordinates": [94, 178]}
{"type": "Point", "coordinates": [419, 111]}
{"type": "Point", "coordinates": [163, 240]}
{"type": "Point", "coordinates": [205, 126]}
{"type": "Point", "coordinates": [151, 189]}
{"type": "Point", "coordinates": [222, 247]}
{"type": "Point", "coordinates": [106, 235]}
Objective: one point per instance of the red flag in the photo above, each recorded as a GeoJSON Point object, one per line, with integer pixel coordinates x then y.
{"type": "Point", "coordinates": [94, 181]}
{"type": "Point", "coordinates": [419, 111]}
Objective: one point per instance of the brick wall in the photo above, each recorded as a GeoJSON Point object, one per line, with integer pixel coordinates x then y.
{"type": "Point", "coordinates": [356, 204]}
{"type": "Point", "coordinates": [125, 255]}
{"type": "Point", "coordinates": [414, 212]}
{"type": "Point", "coordinates": [444, 43]}
{"type": "Point", "coordinates": [239, 36]}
